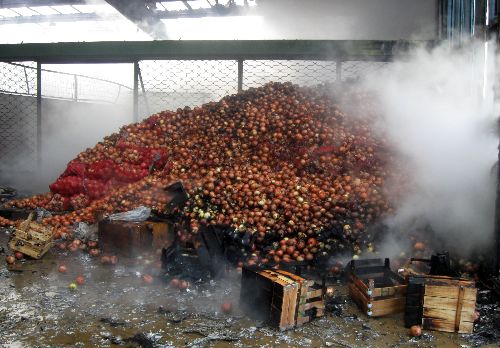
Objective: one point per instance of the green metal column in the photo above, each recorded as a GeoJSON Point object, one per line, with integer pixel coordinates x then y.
{"type": "Point", "coordinates": [136, 92]}
{"type": "Point", "coordinates": [240, 75]}
{"type": "Point", "coordinates": [39, 114]}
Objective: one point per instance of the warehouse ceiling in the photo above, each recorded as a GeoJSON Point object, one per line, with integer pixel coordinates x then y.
{"type": "Point", "coordinates": [145, 14]}
{"type": "Point", "coordinates": [23, 21]}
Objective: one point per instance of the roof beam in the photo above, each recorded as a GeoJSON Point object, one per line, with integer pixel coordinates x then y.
{"type": "Point", "coordinates": [187, 5]}
{"type": "Point", "coordinates": [138, 12]}
{"type": "Point", "coordinates": [129, 51]}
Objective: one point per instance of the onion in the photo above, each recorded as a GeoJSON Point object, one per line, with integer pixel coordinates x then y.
{"type": "Point", "coordinates": [416, 331]}
{"type": "Point", "coordinates": [226, 307]}
{"type": "Point", "coordinates": [273, 161]}
{"type": "Point", "coordinates": [80, 280]}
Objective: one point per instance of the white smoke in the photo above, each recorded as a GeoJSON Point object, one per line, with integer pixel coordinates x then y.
{"type": "Point", "coordinates": [439, 113]}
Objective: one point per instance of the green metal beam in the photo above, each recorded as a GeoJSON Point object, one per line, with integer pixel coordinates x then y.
{"type": "Point", "coordinates": [129, 51]}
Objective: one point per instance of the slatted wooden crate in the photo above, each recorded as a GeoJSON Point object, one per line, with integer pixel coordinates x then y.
{"type": "Point", "coordinates": [310, 301]}
{"type": "Point", "coordinates": [280, 298]}
{"type": "Point", "coordinates": [31, 238]}
{"type": "Point", "coordinates": [163, 233]}
{"type": "Point", "coordinates": [441, 303]}
{"type": "Point", "coordinates": [124, 238]}
{"type": "Point", "coordinates": [128, 238]}
{"type": "Point", "coordinates": [375, 288]}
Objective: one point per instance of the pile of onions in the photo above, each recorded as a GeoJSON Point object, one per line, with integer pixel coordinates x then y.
{"type": "Point", "coordinates": [280, 162]}
{"type": "Point", "coordinates": [5, 222]}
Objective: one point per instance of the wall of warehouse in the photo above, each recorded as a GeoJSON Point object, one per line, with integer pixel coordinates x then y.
{"type": "Point", "coordinates": [348, 20]}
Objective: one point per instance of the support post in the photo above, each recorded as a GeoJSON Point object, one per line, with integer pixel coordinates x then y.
{"type": "Point", "coordinates": [497, 215]}
{"type": "Point", "coordinates": [143, 89]}
{"type": "Point", "coordinates": [240, 75]}
{"type": "Point", "coordinates": [136, 92]}
{"type": "Point", "coordinates": [76, 87]}
{"type": "Point", "coordinates": [338, 70]}
{"type": "Point", "coordinates": [27, 81]}
{"type": "Point", "coordinates": [39, 114]}
{"type": "Point", "coordinates": [494, 33]}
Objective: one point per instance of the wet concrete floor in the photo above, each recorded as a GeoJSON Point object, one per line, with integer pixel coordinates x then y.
{"type": "Point", "coordinates": [115, 307]}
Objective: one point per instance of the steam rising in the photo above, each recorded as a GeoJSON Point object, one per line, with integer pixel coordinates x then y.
{"type": "Point", "coordinates": [434, 111]}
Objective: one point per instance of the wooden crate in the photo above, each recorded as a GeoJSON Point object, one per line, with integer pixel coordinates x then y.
{"type": "Point", "coordinates": [127, 238]}
{"type": "Point", "coordinates": [163, 233]}
{"type": "Point", "coordinates": [310, 301]}
{"type": "Point", "coordinates": [31, 238]}
{"type": "Point", "coordinates": [375, 288]}
{"type": "Point", "coordinates": [279, 298]}
{"type": "Point", "coordinates": [441, 303]}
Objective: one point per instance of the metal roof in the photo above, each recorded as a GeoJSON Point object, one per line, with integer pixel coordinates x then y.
{"type": "Point", "coordinates": [146, 14]}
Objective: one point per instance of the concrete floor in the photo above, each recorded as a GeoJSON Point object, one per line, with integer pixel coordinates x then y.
{"type": "Point", "coordinates": [115, 307]}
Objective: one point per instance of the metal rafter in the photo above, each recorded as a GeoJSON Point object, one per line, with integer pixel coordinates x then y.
{"type": "Point", "coordinates": [145, 15]}
{"type": "Point", "coordinates": [187, 5]}
{"type": "Point", "coordinates": [140, 14]}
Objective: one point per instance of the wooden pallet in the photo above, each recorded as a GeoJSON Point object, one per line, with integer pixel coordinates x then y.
{"type": "Point", "coordinates": [31, 238]}
{"type": "Point", "coordinates": [441, 303]}
{"type": "Point", "coordinates": [280, 298]}
{"type": "Point", "coordinates": [375, 288]}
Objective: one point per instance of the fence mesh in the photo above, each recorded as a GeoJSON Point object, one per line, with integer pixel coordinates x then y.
{"type": "Point", "coordinates": [302, 72]}
{"type": "Point", "coordinates": [18, 106]}
{"type": "Point", "coordinates": [18, 115]}
{"type": "Point", "coordinates": [163, 85]}
{"type": "Point", "coordinates": [172, 84]}
{"type": "Point", "coordinates": [352, 70]}
{"type": "Point", "coordinates": [81, 88]}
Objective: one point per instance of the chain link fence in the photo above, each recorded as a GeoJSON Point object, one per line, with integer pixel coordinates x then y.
{"type": "Point", "coordinates": [19, 143]}
{"type": "Point", "coordinates": [301, 72]}
{"type": "Point", "coordinates": [352, 70]}
{"type": "Point", "coordinates": [162, 85]}
{"type": "Point", "coordinates": [81, 88]}
{"type": "Point", "coordinates": [18, 115]}
{"type": "Point", "coordinates": [172, 84]}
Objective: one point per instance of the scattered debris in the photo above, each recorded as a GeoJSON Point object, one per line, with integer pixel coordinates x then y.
{"type": "Point", "coordinates": [145, 340]}
{"type": "Point", "coordinates": [113, 322]}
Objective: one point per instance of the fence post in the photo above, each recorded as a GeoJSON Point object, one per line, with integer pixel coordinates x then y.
{"type": "Point", "coordinates": [39, 114]}
{"type": "Point", "coordinates": [76, 87]}
{"type": "Point", "coordinates": [240, 75]}
{"type": "Point", "coordinates": [136, 91]}
{"type": "Point", "coordinates": [338, 70]}
{"type": "Point", "coordinates": [27, 81]}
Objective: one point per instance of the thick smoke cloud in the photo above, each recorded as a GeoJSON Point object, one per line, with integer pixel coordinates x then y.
{"type": "Point", "coordinates": [440, 116]}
